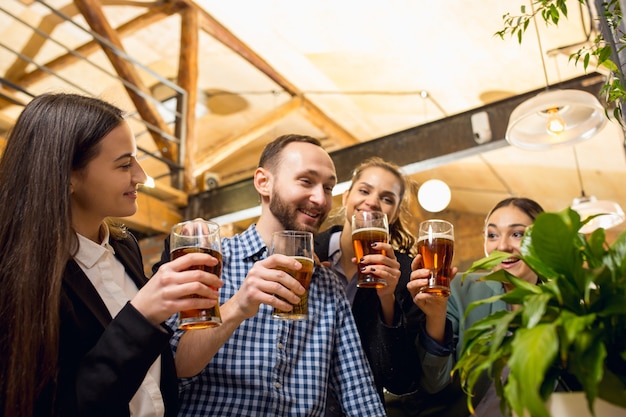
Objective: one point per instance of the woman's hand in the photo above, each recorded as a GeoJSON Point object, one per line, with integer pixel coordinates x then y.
{"type": "Point", "coordinates": [433, 306]}
{"type": "Point", "coordinates": [430, 304]}
{"type": "Point", "coordinates": [384, 266]}
{"type": "Point", "coordinates": [387, 267]}
{"type": "Point", "coordinates": [171, 288]}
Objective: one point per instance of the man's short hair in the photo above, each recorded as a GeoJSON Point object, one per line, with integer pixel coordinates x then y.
{"type": "Point", "coordinates": [271, 153]}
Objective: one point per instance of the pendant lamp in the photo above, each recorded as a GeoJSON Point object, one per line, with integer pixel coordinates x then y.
{"type": "Point", "coordinates": [609, 213]}
{"type": "Point", "coordinates": [554, 117]}
{"type": "Point", "coordinates": [434, 195]}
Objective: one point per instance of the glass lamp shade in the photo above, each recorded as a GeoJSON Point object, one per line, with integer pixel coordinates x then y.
{"type": "Point", "coordinates": [434, 195]}
{"type": "Point", "coordinates": [553, 118]}
{"type": "Point", "coordinates": [612, 213]}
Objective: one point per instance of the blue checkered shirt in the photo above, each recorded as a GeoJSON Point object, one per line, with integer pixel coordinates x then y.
{"type": "Point", "coordinates": [273, 367]}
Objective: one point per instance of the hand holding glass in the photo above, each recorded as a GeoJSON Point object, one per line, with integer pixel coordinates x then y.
{"type": "Point", "coordinates": [191, 237]}
{"type": "Point", "coordinates": [298, 245]}
{"type": "Point", "coordinates": [369, 227]}
{"type": "Point", "coordinates": [435, 243]}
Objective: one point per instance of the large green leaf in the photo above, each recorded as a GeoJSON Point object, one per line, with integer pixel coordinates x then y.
{"type": "Point", "coordinates": [615, 259]}
{"type": "Point", "coordinates": [534, 351]}
{"type": "Point", "coordinates": [545, 242]}
{"type": "Point", "coordinates": [494, 259]}
{"type": "Point", "coordinates": [535, 307]}
{"type": "Point", "coordinates": [619, 249]}
{"type": "Point", "coordinates": [587, 361]}
{"type": "Point", "coordinates": [573, 325]}
{"type": "Point", "coordinates": [596, 248]}
{"type": "Point", "coordinates": [476, 303]}
{"type": "Point", "coordinates": [486, 349]}
{"type": "Point", "coordinates": [485, 327]}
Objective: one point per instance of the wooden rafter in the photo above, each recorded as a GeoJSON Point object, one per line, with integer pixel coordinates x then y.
{"type": "Point", "coordinates": [209, 159]}
{"type": "Point", "coordinates": [226, 37]}
{"type": "Point", "coordinates": [93, 14]}
{"type": "Point", "coordinates": [319, 118]}
{"type": "Point", "coordinates": [327, 125]}
{"type": "Point", "coordinates": [188, 80]}
{"type": "Point", "coordinates": [153, 15]}
{"type": "Point", "coordinates": [34, 44]}
{"type": "Point", "coordinates": [6, 122]}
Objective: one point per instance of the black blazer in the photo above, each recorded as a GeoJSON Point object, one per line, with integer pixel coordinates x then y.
{"type": "Point", "coordinates": [102, 361]}
{"type": "Point", "coordinates": [391, 350]}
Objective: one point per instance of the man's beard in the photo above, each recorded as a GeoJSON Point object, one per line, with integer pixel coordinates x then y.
{"type": "Point", "coordinates": [286, 215]}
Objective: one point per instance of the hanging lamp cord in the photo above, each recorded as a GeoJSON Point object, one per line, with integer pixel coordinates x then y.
{"type": "Point", "coordinates": [580, 177]}
{"type": "Point", "coordinates": [543, 61]}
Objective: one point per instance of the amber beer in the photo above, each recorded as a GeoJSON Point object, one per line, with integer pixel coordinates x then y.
{"type": "Point", "coordinates": [198, 318]}
{"type": "Point", "coordinates": [300, 311]}
{"type": "Point", "coordinates": [437, 251]}
{"type": "Point", "coordinates": [362, 240]}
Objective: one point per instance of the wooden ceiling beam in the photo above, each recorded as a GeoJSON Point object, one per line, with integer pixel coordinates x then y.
{"type": "Point", "coordinates": [7, 98]}
{"type": "Point", "coordinates": [212, 157]}
{"type": "Point", "coordinates": [318, 117]}
{"type": "Point", "coordinates": [188, 80]}
{"type": "Point", "coordinates": [226, 37]}
{"type": "Point", "coordinates": [166, 193]}
{"type": "Point", "coordinates": [6, 122]}
{"type": "Point", "coordinates": [35, 42]}
{"type": "Point", "coordinates": [153, 15]}
{"type": "Point", "coordinates": [329, 126]}
{"type": "Point", "coordinates": [93, 14]}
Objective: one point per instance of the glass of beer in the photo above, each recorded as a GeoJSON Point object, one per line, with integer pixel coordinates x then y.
{"type": "Point", "coordinates": [298, 245]}
{"type": "Point", "coordinates": [198, 236]}
{"type": "Point", "coordinates": [435, 243]}
{"type": "Point", "coordinates": [369, 227]}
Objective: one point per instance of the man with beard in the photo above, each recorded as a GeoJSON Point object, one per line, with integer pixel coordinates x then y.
{"type": "Point", "coordinates": [254, 365]}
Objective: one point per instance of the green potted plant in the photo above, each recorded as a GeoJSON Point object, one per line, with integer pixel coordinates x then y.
{"type": "Point", "coordinates": [569, 328]}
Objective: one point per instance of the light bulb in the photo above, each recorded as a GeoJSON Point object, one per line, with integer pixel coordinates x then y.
{"type": "Point", "coordinates": [555, 124]}
{"type": "Point", "coordinates": [434, 195]}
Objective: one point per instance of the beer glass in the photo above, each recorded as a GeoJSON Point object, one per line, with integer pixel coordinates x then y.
{"type": "Point", "coordinates": [435, 243]}
{"type": "Point", "coordinates": [298, 245]}
{"type": "Point", "coordinates": [369, 227]}
{"type": "Point", "coordinates": [198, 236]}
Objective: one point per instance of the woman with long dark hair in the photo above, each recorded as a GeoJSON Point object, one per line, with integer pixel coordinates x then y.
{"type": "Point", "coordinates": [81, 331]}
{"type": "Point", "coordinates": [446, 320]}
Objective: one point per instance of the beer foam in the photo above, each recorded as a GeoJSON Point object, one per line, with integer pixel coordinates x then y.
{"type": "Point", "coordinates": [370, 229]}
{"type": "Point", "coordinates": [436, 236]}
{"type": "Point", "coordinates": [303, 259]}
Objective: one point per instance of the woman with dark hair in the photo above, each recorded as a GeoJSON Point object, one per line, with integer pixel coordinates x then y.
{"type": "Point", "coordinates": [446, 322]}
{"type": "Point", "coordinates": [385, 316]}
{"type": "Point", "coordinates": [81, 331]}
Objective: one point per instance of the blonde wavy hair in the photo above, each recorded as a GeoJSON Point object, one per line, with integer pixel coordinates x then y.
{"type": "Point", "coordinates": [400, 238]}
